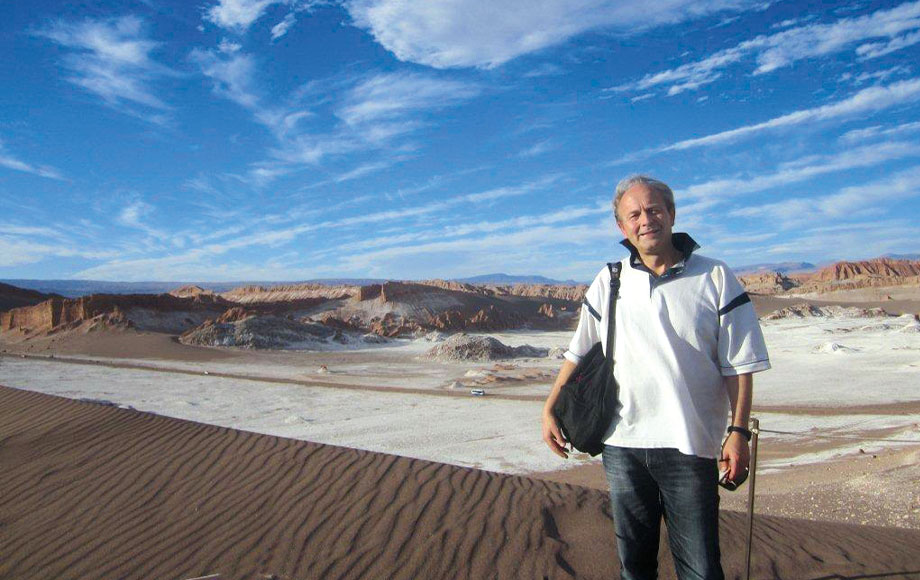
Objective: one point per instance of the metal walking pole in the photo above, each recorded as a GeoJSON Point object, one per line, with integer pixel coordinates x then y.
{"type": "Point", "coordinates": [755, 431]}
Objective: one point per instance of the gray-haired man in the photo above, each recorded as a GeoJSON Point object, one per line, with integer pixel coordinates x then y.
{"type": "Point", "coordinates": [687, 344]}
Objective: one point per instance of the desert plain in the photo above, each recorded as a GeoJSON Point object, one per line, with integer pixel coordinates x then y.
{"type": "Point", "coordinates": [132, 452]}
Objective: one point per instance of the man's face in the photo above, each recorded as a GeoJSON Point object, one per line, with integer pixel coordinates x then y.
{"type": "Point", "coordinates": [645, 220]}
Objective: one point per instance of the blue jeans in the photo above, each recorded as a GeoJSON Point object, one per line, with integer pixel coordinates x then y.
{"type": "Point", "coordinates": [646, 484]}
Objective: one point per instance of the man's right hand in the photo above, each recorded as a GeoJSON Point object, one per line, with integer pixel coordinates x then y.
{"type": "Point", "coordinates": [552, 435]}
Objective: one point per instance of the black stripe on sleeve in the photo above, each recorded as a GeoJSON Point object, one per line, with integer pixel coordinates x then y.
{"type": "Point", "coordinates": [742, 298]}
{"type": "Point", "coordinates": [592, 310]}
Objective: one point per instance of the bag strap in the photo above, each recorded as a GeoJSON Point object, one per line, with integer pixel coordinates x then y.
{"type": "Point", "coordinates": [614, 268]}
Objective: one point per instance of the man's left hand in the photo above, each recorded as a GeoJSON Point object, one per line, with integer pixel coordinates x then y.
{"type": "Point", "coordinates": [736, 456]}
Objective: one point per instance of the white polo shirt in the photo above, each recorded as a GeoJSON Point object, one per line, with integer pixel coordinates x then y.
{"type": "Point", "coordinates": [677, 335]}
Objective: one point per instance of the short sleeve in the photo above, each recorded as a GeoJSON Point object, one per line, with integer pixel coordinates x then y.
{"type": "Point", "coordinates": [588, 332]}
{"type": "Point", "coordinates": [742, 348]}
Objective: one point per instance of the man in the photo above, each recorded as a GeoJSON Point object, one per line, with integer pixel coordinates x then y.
{"type": "Point", "coordinates": [687, 342]}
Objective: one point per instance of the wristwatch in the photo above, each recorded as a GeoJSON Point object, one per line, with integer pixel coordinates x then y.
{"type": "Point", "coordinates": [734, 428]}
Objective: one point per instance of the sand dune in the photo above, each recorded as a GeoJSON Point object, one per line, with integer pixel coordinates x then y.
{"type": "Point", "coordinates": [91, 491]}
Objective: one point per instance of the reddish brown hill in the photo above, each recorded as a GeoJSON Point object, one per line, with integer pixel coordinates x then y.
{"type": "Point", "coordinates": [879, 272]}
{"type": "Point", "coordinates": [15, 297]}
{"type": "Point", "coordinates": [141, 310]}
{"type": "Point", "coordinates": [288, 293]}
{"type": "Point", "coordinates": [561, 292]}
{"type": "Point", "coordinates": [867, 269]}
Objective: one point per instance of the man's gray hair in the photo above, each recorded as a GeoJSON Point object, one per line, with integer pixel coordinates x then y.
{"type": "Point", "coordinates": [650, 182]}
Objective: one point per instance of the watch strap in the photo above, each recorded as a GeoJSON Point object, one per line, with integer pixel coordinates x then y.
{"type": "Point", "coordinates": [736, 429]}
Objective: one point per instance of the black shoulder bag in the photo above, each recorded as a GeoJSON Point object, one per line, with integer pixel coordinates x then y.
{"type": "Point", "coordinates": [588, 400]}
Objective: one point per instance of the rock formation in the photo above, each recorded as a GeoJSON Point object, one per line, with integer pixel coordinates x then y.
{"type": "Point", "coordinates": [287, 293]}
{"type": "Point", "coordinates": [464, 347]}
{"type": "Point", "coordinates": [877, 268]}
{"type": "Point", "coordinates": [880, 272]}
{"type": "Point", "coordinates": [812, 311]}
{"type": "Point", "coordinates": [766, 283]}
{"type": "Point", "coordinates": [877, 273]}
{"type": "Point", "coordinates": [256, 332]}
{"type": "Point", "coordinates": [156, 312]}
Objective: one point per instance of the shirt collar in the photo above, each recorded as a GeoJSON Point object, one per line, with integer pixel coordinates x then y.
{"type": "Point", "coordinates": [682, 241]}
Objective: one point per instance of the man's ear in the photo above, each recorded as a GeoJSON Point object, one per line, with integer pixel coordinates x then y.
{"type": "Point", "coordinates": [620, 227]}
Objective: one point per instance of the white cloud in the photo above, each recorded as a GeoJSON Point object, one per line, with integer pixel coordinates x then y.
{"type": "Point", "coordinates": [485, 33]}
{"type": "Point", "coordinates": [374, 110]}
{"type": "Point", "coordinates": [228, 46]}
{"type": "Point", "coordinates": [10, 162]}
{"type": "Point", "coordinates": [111, 59]}
{"type": "Point", "coordinates": [361, 171]}
{"type": "Point", "coordinates": [866, 102]}
{"type": "Point", "coordinates": [239, 14]}
{"type": "Point", "coordinates": [547, 69]}
{"type": "Point", "coordinates": [392, 96]}
{"type": "Point", "coordinates": [232, 75]}
{"type": "Point", "coordinates": [874, 132]}
{"type": "Point", "coordinates": [877, 49]}
{"type": "Point", "coordinates": [137, 215]}
{"type": "Point", "coordinates": [282, 27]}
{"type": "Point", "coordinates": [538, 149]}
{"type": "Point", "coordinates": [900, 25]}
{"type": "Point", "coordinates": [880, 76]}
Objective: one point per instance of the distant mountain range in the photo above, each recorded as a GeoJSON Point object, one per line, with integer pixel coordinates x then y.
{"type": "Point", "coordinates": [781, 267]}
{"type": "Point", "coordinates": [503, 279]}
{"type": "Point", "coordinates": [76, 288]}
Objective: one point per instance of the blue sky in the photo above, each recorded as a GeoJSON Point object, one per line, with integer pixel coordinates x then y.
{"type": "Point", "coordinates": [296, 139]}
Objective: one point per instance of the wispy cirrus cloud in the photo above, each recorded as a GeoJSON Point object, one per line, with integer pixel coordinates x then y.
{"type": "Point", "coordinates": [865, 102]}
{"type": "Point", "coordinates": [878, 131]}
{"type": "Point", "coordinates": [27, 244]}
{"type": "Point", "coordinates": [240, 15]}
{"type": "Point", "coordinates": [111, 59]}
{"type": "Point", "coordinates": [538, 149]}
{"type": "Point", "coordinates": [899, 27]}
{"type": "Point", "coordinates": [879, 76]}
{"type": "Point", "coordinates": [12, 162]}
{"type": "Point", "coordinates": [233, 74]}
{"type": "Point", "coordinates": [486, 34]}
{"type": "Point", "coordinates": [284, 230]}
{"type": "Point", "coordinates": [526, 248]}
{"type": "Point", "coordinates": [850, 241]}
{"type": "Point", "coordinates": [715, 191]}
{"type": "Point", "coordinates": [390, 96]}
{"type": "Point", "coordinates": [371, 111]}
{"type": "Point", "coordinates": [853, 202]}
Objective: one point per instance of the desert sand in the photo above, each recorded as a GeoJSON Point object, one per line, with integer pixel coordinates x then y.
{"type": "Point", "coordinates": [102, 492]}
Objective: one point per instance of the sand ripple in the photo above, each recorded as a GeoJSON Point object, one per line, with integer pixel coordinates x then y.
{"type": "Point", "coordinates": [93, 491]}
